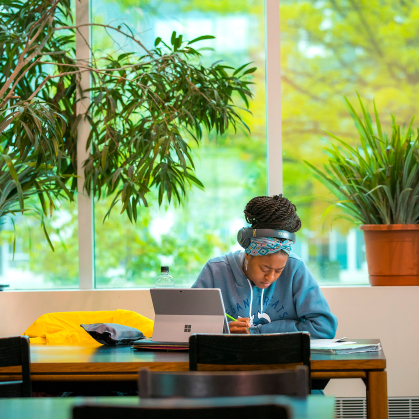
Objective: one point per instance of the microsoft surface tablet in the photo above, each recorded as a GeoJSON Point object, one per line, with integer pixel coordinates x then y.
{"type": "Point", "coordinates": [183, 311]}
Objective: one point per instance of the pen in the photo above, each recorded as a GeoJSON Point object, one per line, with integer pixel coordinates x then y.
{"type": "Point", "coordinates": [232, 318]}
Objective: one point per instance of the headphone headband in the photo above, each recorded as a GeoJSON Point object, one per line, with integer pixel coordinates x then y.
{"type": "Point", "coordinates": [245, 234]}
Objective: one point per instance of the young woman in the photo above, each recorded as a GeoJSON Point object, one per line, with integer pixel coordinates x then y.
{"type": "Point", "coordinates": [266, 287]}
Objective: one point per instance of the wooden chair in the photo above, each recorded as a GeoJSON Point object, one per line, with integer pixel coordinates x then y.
{"type": "Point", "coordinates": [226, 408]}
{"type": "Point", "coordinates": [222, 352]}
{"type": "Point", "coordinates": [14, 351]}
{"type": "Point", "coordinates": [156, 384]}
{"type": "Point", "coordinates": [215, 352]}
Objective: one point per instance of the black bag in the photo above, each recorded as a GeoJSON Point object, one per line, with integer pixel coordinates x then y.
{"type": "Point", "coordinates": [112, 333]}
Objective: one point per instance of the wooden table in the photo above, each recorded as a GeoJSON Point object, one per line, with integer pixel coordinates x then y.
{"type": "Point", "coordinates": [369, 366]}
{"type": "Point", "coordinates": [65, 368]}
{"type": "Point", "coordinates": [315, 407]}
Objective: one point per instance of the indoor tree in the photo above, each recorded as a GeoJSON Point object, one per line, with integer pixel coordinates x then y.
{"type": "Point", "coordinates": [30, 159]}
{"type": "Point", "coordinates": [145, 107]}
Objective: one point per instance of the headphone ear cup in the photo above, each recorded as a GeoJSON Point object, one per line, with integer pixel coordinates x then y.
{"type": "Point", "coordinates": [245, 244]}
{"type": "Point", "coordinates": [242, 242]}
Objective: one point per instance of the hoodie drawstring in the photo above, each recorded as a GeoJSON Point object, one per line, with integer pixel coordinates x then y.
{"type": "Point", "coordinates": [251, 302]}
{"type": "Point", "coordinates": [261, 303]}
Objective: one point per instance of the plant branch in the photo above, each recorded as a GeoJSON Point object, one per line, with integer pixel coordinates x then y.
{"type": "Point", "coordinates": [109, 27]}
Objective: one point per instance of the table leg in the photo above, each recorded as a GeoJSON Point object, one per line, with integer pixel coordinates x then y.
{"type": "Point", "coordinates": [377, 401]}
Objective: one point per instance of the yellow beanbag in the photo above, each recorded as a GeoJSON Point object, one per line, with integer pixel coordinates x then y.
{"type": "Point", "coordinates": [64, 328]}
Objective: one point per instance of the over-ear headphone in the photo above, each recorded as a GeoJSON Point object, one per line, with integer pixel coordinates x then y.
{"type": "Point", "coordinates": [245, 234]}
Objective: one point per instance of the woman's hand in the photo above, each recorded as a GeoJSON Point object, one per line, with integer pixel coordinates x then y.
{"type": "Point", "coordinates": [241, 325]}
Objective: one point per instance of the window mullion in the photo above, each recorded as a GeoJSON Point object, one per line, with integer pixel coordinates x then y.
{"type": "Point", "coordinates": [273, 97]}
{"type": "Point", "coordinates": [85, 204]}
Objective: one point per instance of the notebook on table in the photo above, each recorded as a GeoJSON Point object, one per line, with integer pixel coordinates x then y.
{"type": "Point", "coordinates": [179, 312]}
{"type": "Point", "coordinates": [331, 347]}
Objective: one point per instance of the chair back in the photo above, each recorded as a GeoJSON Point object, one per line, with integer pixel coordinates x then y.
{"type": "Point", "coordinates": [197, 384]}
{"type": "Point", "coordinates": [209, 352]}
{"type": "Point", "coordinates": [186, 409]}
{"type": "Point", "coordinates": [14, 351]}
{"type": "Point", "coordinates": [222, 352]}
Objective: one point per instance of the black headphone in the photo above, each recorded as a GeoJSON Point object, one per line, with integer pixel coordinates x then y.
{"type": "Point", "coordinates": [245, 234]}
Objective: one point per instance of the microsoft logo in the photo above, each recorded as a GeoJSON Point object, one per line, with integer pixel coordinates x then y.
{"type": "Point", "coordinates": [187, 328]}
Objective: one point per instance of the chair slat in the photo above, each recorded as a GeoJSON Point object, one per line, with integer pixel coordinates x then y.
{"type": "Point", "coordinates": [211, 411]}
{"type": "Point", "coordinates": [249, 349]}
{"type": "Point", "coordinates": [198, 384]}
{"type": "Point", "coordinates": [242, 352]}
{"type": "Point", "coordinates": [10, 352]}
{"type": "Point", "coordinates": [11, 389]}
{"type": "Point", "coordinates": [15, 351]}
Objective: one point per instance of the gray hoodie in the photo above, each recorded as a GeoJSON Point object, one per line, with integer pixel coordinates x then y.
{"type": "Point", "coordinates": [293, 303]}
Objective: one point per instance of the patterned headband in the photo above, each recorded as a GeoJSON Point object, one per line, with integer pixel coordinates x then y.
{"type": "Point", "coordinates": [261, 246]}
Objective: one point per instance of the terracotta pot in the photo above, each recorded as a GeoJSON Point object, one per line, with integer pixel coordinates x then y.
{"type": "Point", "coordinates": [392, 253]}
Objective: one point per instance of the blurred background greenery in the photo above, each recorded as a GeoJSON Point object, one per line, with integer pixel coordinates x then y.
{"type": "Point", "coordinates": [329, 49]}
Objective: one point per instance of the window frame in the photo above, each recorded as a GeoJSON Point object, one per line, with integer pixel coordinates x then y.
{"type": "Point", "coordinates": [85, 218]}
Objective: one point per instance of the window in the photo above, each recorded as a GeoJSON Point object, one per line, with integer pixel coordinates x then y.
{"type": "Point", "coordinates": [33, 265]}
{"type": "Point", "coordinates": [30, 263]}
{"type": "Point", "coordinates": [329, 50]}
{"type": "Point", "coordinates": [232, 167]}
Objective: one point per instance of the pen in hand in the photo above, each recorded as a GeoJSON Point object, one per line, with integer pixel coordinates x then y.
{"type": "Point", "coordinates": [240, 325]}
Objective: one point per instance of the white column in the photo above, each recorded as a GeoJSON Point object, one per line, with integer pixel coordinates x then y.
{"type": "Point", "coordinates": [351, 251]}
{"type": "Point", "coordinates": [333, 245]}
{"type": "Point", "coordinates": [305, 251]}
{"type": "Point", "coordinates": [273, 97]}
{"type": "Point", "coordinates": [85, 207]}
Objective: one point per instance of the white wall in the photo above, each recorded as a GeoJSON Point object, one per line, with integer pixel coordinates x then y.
{"type": "Point", "coordinates": [387, 313]}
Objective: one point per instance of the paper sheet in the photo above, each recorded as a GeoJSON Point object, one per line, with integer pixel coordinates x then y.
{"type": "Point", "coordinates": [328, 343]}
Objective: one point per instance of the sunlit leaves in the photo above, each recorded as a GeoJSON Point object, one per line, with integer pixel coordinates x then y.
{"type": "Point", "coordinates": [327, 52]}
{"type": "Point", "coordinates": [30, 160]}
{"type": "Point", "coordinates": [34, 157]}
{"type": "Point", "coordinates": [142, 115]}
{"type": "Point", "coordinates": [141, 126]}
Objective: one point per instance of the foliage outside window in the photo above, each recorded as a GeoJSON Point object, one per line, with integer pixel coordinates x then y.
{"type": "Point", "coordinates": [145, 105]}
{"type": "Point", "coordinates": [231, 166]}
{"type": "Point", "coordinates": [331, 49]}
{"type": "Point", "coordinates": [328, 50]}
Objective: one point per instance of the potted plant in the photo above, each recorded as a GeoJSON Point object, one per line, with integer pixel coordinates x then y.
{"type": "Point", "coordinates": [376, 183]}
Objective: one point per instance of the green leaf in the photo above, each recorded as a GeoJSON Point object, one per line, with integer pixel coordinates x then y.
{"type": "Point", "coordinates": [249, 71]}
{"type": "Point", "coordinates": [47, 236]}
{"type": "Point", "coordinates": [377, 122]}
{"type": "Point", "coordinates": [173, 38]}
{"type": "Point", "coordinates": [200, 38]}
{"type": "Point", "coordinates": [241, 68]}
{"type": "Point", "coordinates": [104, 156]}
{"type": "Point", "coordinates": [13, 173]}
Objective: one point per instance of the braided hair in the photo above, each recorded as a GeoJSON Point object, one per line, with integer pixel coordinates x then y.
{"type": "Point", "coordinates": [276, 212]}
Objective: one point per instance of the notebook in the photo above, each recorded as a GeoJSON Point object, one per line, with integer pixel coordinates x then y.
{"type": "Point", "coordinates": [331, 347]}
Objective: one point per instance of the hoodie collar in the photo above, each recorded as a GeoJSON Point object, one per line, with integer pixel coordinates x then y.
{"type": "Point", "coordinates": [236, 262]}
{"type": "Point", "coordinates": [235, 259]}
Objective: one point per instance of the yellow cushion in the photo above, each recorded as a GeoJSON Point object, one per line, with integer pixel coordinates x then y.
{"type": "Point", "coordinates": [64, 328]}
